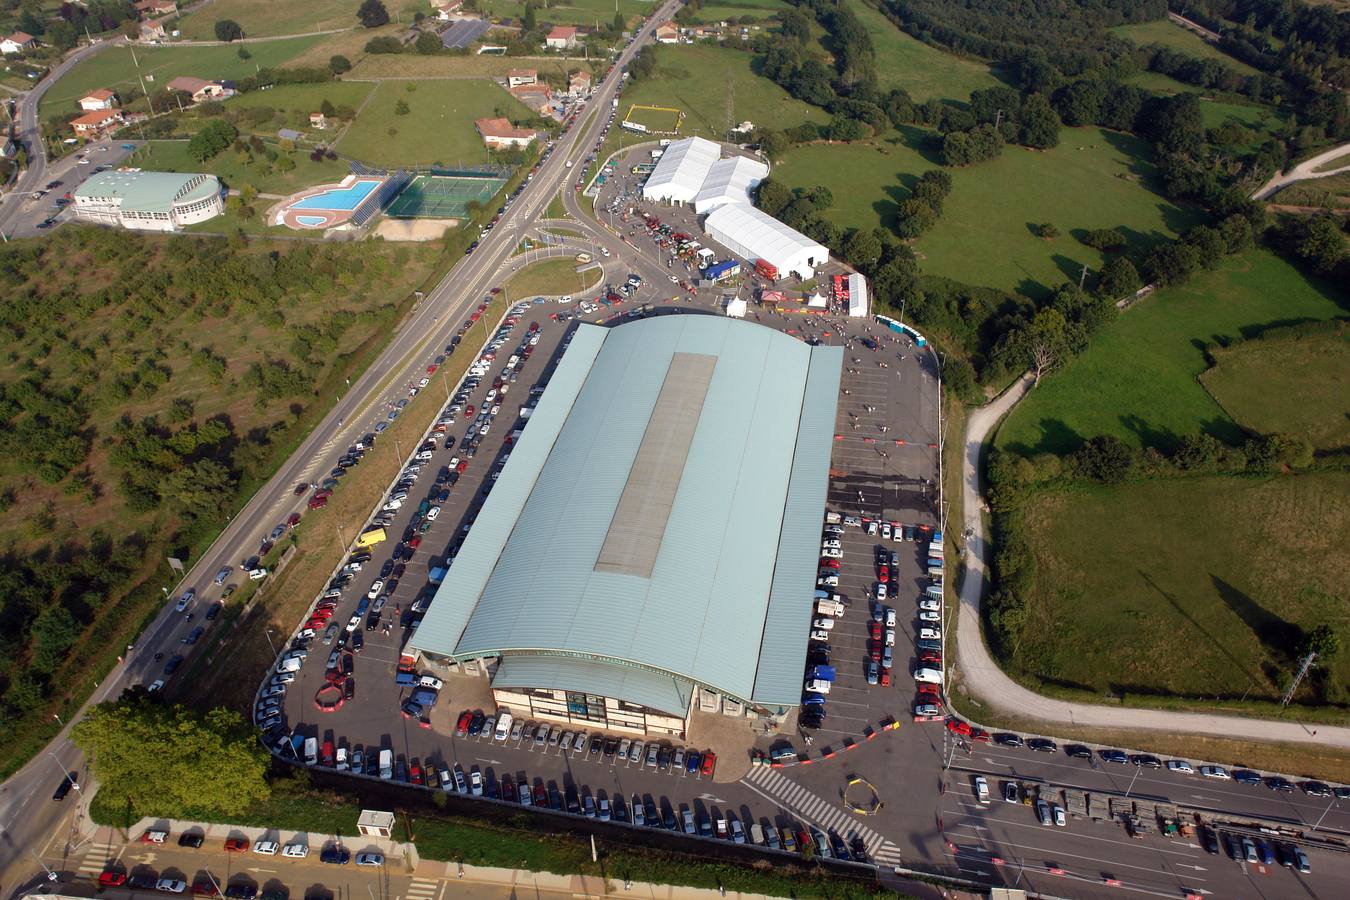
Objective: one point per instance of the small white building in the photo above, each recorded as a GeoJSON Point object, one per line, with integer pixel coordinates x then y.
{"type": "Point", "coordinates": [518, 77]}
{"type": "Point", "coordinates": [148, 201]}
{"type": "Point", "coordinates": [753, 234]}
{"type": "Point", "coordinates": [562, 37]}
{"type": "Point", "coordinates": [17, 42]}
{"type": "Point", "coordinates": [97, 100]}
{"type": "Point", "coordinates": [857, 295]}
{"type": "Point", "coordinates": [375, 823]}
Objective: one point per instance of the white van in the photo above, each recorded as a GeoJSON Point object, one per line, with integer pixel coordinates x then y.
{"type": "Point", "coordinates": [934, 591]}
{"type": "Point", "coordinates": [928, 676]}
{"type": "Point", "coordinates": [817, 686]}
{"type": "Point", "coordinates": [341, 765]}
{"type": "Point", "coordinates": [982, 790]}
{"type": "Point", "coordinates": [386, 764]}
{"type": "Point", "coordinates": [289, 664]}
{"type": "Point", "coordinates": [503, 726]}
{"type": "Point", "coordinates": [311, 751]}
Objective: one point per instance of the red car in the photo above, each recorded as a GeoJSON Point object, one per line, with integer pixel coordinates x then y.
{"type": "Point", "coordinates": [931, 656]}
{"type": "Point", "coordinates": [876, 631]}
{"type": "Point", "coordinates": [236, 845]}
{"type": "Point", "coordinates": [883, 575]}
{"type": "Point", "coordinates": [930, 690]}
{"type": "Point", "coordinates": [204, 889]}
{"type": "Point", "coordinates": [709, 763]}
{"type": "Point", "coordinates": [112, 879]}
{"type": "Point", "coordinates": [469, 411]}
{"type": "Point", "coordinates": [885, 676]}
{"type": "Point", "coordinates": [301, 488]}
{"type": "Point", "coordinates": [462, 726]}
{"type": "Point", "coordinates": [431, 369]}
{"type": "Point", "coordinates": [417, 775]}
{"type": "Point", "coordinates": [317, 502]}
{"type": "Point", "coordinates": [829, 563]}
{"type": "Point", "coordinates": [415, 542]}
{"type": "Point", "coordinates": [293, 520]}
{"type": "Point", "coordinates": [462, 467]}
{"type": "Point", "coordinates": [876, 651]}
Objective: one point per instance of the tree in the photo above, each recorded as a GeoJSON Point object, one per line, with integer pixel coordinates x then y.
{"type": "Point", "coordinates": [228, 30]}
{"type": "Point", "coordinates": [1039, 126]}
{"type": "Point", "coordinates": [199, 489]}
{"type": "Point", "coordinates": [1325, 642]}
{"type": "Point", "coordinates": [527, 19]}
{"type": "Point", "coordinates": [428, 43]}
{"type": "Point", "coordinates": [1047, 230]}
{"type": "Point", "coordinates": [384, 44]}
{"type": "Point", "coordinates": [1104, 239]}
{"type": "Point", "coordinates": [1321, 243]}
{"type": "Point", "coordinates": [53, 633]}
{"type": "Point", "coordinates": [373, 14]}
{"type": "Point", "coordinates": [1118, 278]}
{"type": "Point", "coordinates": [1105, 458]}
{"type": "Point", "coordinates": [174, 761]}
{"type": "Point", "coordinates": [772, 196]}
{"type": "Point", "coordinates": [339, 64]}
{"type": "Point", "coordinates": [862, 249]}
{"type": "Point", "coordinates": [401, 108]}
{"type": "Point", "coordinates": [213, 137]}
{"type": "Point", "coordinates": [1047, 342]}
{"type": "Point", "coordinates": [619, 23]}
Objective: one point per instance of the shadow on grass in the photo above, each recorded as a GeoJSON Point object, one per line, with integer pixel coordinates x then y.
{"type": "Point", "coordinates": [1056, 437]}
{"type": "Point", "coordinates": [1223, 648]}
{"type": "Point", "coordinates": [1281, 639]}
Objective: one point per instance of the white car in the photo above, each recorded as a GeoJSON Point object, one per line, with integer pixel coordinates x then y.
{"type": "Point", "coordinates": [1180, 765]}
{"type": "Point", "coordinates": [927, 675]}
{"type": "Point", "coordinates": [1058, 812]}
{"type": "Point", "coordinates": [928, 604]}
{"type": "Point", "coordinates": [257, 574]}
{"type": "Point", "coordinates": [928, 615]}
{"type": "Point", "coordinates": [832, 554]}
{"type": "Point", "coordinates": [353, 623]}
{"type": "Point", "coordinates": [890, 617]}
{"type": "Point", "coordinates": [823, 623]}
{"type": "Point", "coordinates": [820, 635]}
{"type": "Point", "coordinates": [266, 848]}
{"type": "Point", "coordinates": [926, 710]}
{"type": "Point", "coordinates": [930, 634]}
{"type": "Point", "coordinates": [295, 851]}
{"type": "Point", "coordinates": [375, 590]}
{"type": "Point", "coordinates": [830, 544]}
{"type": "Point", "coordinates": [433, 513]}
{"type": "Point", "coordinates": [1218, 772]}
{"type": "Point", "coordinates": [890, 637]}
{"type": "Point", "coordinates": [881, 591]}
{"type": "Point", "coordinates": [171, 885]}
{"type": "Point", "coordinates": [886, 530]}
{"type": "Point", "coordinates": [828, 581]}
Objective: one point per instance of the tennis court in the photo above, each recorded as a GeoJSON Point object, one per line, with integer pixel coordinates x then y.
{"type": "Point", "coordinates": [443, 196]}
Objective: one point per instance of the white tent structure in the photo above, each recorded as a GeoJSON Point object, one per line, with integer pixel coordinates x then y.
{"type": "Point", "coordinates": [729, 180]}
{"type": "Point", "coordinates": [680, 173]}
{"type": "Point", "coordinates": [857, 295]}
{"type": "Point", "coordinates": [752, 234]}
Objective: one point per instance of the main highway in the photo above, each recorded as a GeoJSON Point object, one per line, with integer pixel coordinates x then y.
{"type": "Point", "coordinates": [27, 817]}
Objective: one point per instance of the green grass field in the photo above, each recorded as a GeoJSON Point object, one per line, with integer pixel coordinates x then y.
{"type": "Point", "coordinates": [1093, 179]}
{"type": "Point", "coordinates": [551, 278]}
{"type": "Point", "coordinates": [112, 68]}
{"type": "Point", "coordinates": [1254, 382]}
{"type": "Point", "coordinates": [734, 10]}
{"type": "Point", "coordinates": [654, 119]}
{"type": "Point", "coordinates": [694, 78]}
{"type": "Point", "coordinates": [1332, 192]}
{"type": "Point", "coordinates": [567, 12]}
{"type": "Point", "coordinates": [1138, 379]}
{"type": "Point", "coordinates": [437, 129]}
{"type": "Point", "coordinates": [1179, 39]}
{"type": "Point", "coordinates": [292, 103]}
{"type": "Point", "coordinates": [264, 18]}
{"type": "Point", "coordinates": [868, 180]}
{"type": "Point", "coordinates": [1140, 593]}
{"type": "Point", "coordinates": [924, 71]}
{"type": "Point", "coordinates": [172, 156]}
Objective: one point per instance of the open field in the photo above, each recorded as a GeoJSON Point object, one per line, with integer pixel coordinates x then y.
{"type": "Point", "coordinates": [291, 104]}
{"type": "Point", "coordinates": [437, 129]}
{"type": "Point", "coordinates": [112, 68]}
{"type": "Point", "coordinates": [868, 180]}
{"type": "Point", "coordinates": [694, 78]}
{"type": "Point", "coordinates": [1138, 379]}
{"type": "Point", "coordinates": [172, 156]}
{"type": "Point", "coordinates": [1179, 39]}
{"type": "Point", "coordinates": [1332, 192]}
{"type": "Point", "coordinates": [567, 12]}
{"type": "Point", "coordinates": [1336, 162]}
{"type": "Point", "coordinates": [1255, 381]}
{"type": "Point", "coordinates": [1140, 594]}
{"type": "Point", "coordinates": [924, 71]}
{"type": "Point", "coordinates": [654, 119]}
{"type": "Point", "coordinates": [733, 11]}
{"type": "Point", "coordinates": [413, 65]}
{"type": "Point", "coordinates": [985, 236]}
{"type": "Point", "coordinates": [264, 18]}
{"type": "Point", "coordinates": [551, 278]}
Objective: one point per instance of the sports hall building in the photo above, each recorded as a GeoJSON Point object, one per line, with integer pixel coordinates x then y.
{"type": "Point", "coordinates": [651, 546]}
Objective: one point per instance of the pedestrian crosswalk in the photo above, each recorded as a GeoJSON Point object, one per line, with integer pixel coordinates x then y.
{"type": "Point", "coordinates": [97, 857]}
{"type": "Point", "coordinates": [813, 810]}
{"type": "Point", "coordinates": [422, 889]}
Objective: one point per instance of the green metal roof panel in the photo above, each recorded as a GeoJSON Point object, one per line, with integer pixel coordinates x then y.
{"type": "Point", "coordinates": [454, 602]}
{"type": "Point", "coordinates": [559, 673]}
{"type": "Point", "coordinates": [701, 614]}
{"type": "Point", "coordinates": [149, 191]}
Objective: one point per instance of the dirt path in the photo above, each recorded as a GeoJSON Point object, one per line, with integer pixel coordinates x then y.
{"type": "Point", "coordinates": [1304, 171]}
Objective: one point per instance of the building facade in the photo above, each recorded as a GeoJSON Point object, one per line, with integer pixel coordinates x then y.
{"type": "Point", "coordinates": [148, 201]}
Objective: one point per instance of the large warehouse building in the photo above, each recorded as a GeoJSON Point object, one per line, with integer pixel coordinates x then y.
{"type": "Point", "coordinates": [691, 171]}
{"type": "Point", "coordinates": [149, 201]}
{"type": "Point", "coordinates": [753, 234]}
{"type": "Point", "coordinates": [650, 548]}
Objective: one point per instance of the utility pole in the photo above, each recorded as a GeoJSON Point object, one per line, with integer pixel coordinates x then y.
{"type": "Point", "coordinates": [1302, 672]}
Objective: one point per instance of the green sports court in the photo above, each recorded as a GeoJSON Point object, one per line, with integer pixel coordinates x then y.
{"type": "Point", "coordinates": [444, 196]}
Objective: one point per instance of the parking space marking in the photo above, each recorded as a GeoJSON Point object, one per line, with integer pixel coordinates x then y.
{"type": "Point", "coordinates": [811, 808]}
{"type": "Point", "coordinates": [98, 856]}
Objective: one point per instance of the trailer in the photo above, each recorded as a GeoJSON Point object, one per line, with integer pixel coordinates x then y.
{"type": "Point", "coordinates": [766, 269]}
{"type": "Point", "coordinates": [725, 269]}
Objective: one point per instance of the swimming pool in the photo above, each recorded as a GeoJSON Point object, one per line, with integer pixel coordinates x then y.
{"type": "Point", "coordinates": [341, 198]}
{"type": "Point", "coordinates": [312, 221]}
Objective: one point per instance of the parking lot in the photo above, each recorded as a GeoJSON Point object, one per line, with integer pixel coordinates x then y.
{"type": "Point", "coordinates": [38, 213]}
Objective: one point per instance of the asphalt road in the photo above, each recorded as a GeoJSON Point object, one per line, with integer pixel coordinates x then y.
{"type": "Point", "coordinates": [24, 822]}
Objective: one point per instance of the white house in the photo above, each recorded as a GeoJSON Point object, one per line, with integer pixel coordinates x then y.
{"type": "Point", "coordinates": [97, 100]}
{"type": "Point", "coordinates": [562, 37]}
{"type": "Point", "coordinates": [17, 42]}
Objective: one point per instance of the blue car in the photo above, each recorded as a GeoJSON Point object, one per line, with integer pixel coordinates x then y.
{"type": "Point", "coordinates": [692, 761]}
{"type": "Point", "coordinates": [1246, 776]}
{"type": "Point", "coordinates": [871, 672]}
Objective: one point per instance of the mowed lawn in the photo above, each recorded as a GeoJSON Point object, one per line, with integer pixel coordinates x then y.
{"type": "Point", "coordinates": [868, 180]}
{"type": "Point", "coordinates": [1093, 179]}
{"type": "Point", "coordinates": [1139, 378]}
{"type": "Point", "coordinates": [438, 128]}
{"type": "Point", "coordinates": [1255, 382]}
{"type": "Point", "coordinates": [292, 103]}
{"type": "Point", "coordinates": [551, 278]}
{"type": "Point", "coordinates": [230, 167]}
{"type": "Point", "coordinates": [924, 71]}
{"type": "Point", "coordinates": [732, 11]}
{"type": "Point", "coordinates": [569, 12]}
{"type": "Point", "coordinates": [1140, 593]}
{"type": "Point", "coordinates": [264, 18]}
{"type": "Point", "coordinates": [112, 68]}
{"type": "Point", "coordinates": [1182, 40]}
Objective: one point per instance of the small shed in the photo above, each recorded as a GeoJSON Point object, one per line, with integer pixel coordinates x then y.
{"type": "Point", "coordinates": [375, 823]}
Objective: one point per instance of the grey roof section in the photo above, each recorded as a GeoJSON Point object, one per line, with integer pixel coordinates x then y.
{"type": "Point", "coordinates": [149, 191]}
{"type": "Point", "coordinates": [782, 652]}
{"type": "Point", "coordinates": [651, 689]}
{"type": "Point", "coordinates": [725, 560]}
{"type": "Point", "coordinates": [465, 32]}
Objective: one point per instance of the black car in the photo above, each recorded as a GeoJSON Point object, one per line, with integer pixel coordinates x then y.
{"type": "Point", "coordinates": [611, 746]}
{"type": "Point", "coordinates": [597, 743]}
{"type": "Point", "coordinates": [372, 621]}
{"type": "Point", "coordinates": [349, 689]}
{"type": "Point", "coordinates": [1246, 776]}
{"type": "Point", "coordinates": [1276, 783]}
{"type": "Point", "coordinates": [65, 787]}
{"type": "Point", "coordinates": [191, 839]}
{"type": "Point", "coordinates": [663, 758]}
{"type": "Point", "coordinates": [334, 855]}
{"type": "Point", "coordinates": [172, 665]}
{"type": "Point", "coordinates": [838, 846]}
{"type": "Point", "coordinates": [1007, 739]}
{"type": "Point", "coordinates": [858, 848]}
{"type": "Point", "coordinates": [820, 656]}
{"type": "Point", "coordinates": [476, 724]}
{"type": "Point", "coordinates": [1115, 756]}
{"type": "Point", "coordinates": [1315, 789]}
{"type": "Point", "coordinates": [142, 881]}
{"type": "Point", "coordinates": [358, 641]}
{"type": "Point", "coordinates": [1209, 840]}
{"type": "Point", "coordinates": [573, 804]}
{"type": "Point", "coordinates": [386, 568]}
{"type": "Point", "coordinates": [1077, 751]}
{"type": "Point", "coordinates": [1042, 745]}
{"type": "Point", "coordinates": [241, 891]}
{"type": "Point", "coordinates": [1145, 761]}
{"type": "Point", "coordinates": [214, 611]}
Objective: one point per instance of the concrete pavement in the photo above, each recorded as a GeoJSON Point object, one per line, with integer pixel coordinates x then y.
{"type": "Point", "coordinates": [982, 676]}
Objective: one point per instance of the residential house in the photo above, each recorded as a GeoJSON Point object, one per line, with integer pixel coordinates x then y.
{"type": "Point", "coordinates": [95, 124]}
{"type": "Point", "coordinates": [517, 77]}
{"type": "Point", "coordinates": [668, 33]}
{"type": "Point", "coordinates": [17, 42]}
{"type": "Point", "coordinates": [149, 9]}
{"type": "Point", "coordinates": [318, 120]}
{"type": "Point", "coordinates": [200, 89]}
{"type": "Point", "coordinates": [446, 8]}
{"type": "Point", "coordinates": [152, 31]}
{"type": "Point", "coordinates": [99, 99]}
{"type": "Point", "coordinates": [500, 134]}
{"type": "Point", "coordinates": [536, 96]}
{"type": "Point", "coordinates": [579, 84]}
{"type": "Point", "coordinates": [562, 37]}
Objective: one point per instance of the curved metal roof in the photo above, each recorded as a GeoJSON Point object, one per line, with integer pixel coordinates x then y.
{"type": "Point", "coordinates": [661, 512]}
